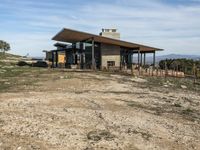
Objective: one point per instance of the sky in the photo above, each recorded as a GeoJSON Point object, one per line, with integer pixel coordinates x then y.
{"type": "Point", "coordinates": [173, 25]}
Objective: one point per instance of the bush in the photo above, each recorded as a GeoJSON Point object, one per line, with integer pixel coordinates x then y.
{"type": "Point", "coordinates": [40, 64]}
{"type": "Point", "coordinates": [23, 63]}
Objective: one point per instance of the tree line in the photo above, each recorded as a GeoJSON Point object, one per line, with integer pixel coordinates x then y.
{"type": "Point", "coordinates": [4, 46]}
{"type": "Point", "coordinates": [184, 65]}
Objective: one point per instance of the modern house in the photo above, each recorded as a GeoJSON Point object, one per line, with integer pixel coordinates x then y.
{"type": "Point", "coordinates": [89, 51]}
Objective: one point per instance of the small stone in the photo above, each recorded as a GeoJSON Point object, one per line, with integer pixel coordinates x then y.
{"type": "Point", "coordinates": [61, 77]}
{"type": "Point", "coordinates": [165, 85]}
{"type": "Point", "coordinates": [183, 87]}
{"type": "Point", "coordinates": [19, 148]}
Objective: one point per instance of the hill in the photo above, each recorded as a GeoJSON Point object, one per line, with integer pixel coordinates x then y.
{"type": "Point", "coordinates": [177, 56]}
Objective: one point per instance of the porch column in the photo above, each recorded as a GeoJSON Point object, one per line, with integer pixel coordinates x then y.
{"type": "Point", "coordinates": [52, 53]}
{"type": "Point", "coordinates": [83, 60]}
{"type": "Point", "coordinates": [120, 60]}
{"type": "Point", "coordinates": [131, 53]}
{"type": "Point", "coordinates": [132, 61]}
{"type": "Point", "coordinates": [66, 59]}
{"type": "Point", "coordinates": [154, 59]}
{"type": "Point", "coordinates": [93, 59]}
{"type": "Point", "coordinates": [144, 59]}
{"type": "Point", "coordinates": [82, 56]}
{"type": "Point", "coordinates": [56, 58]}
{"type": "Point", "coordinates": [138, 59]}
{"type": "Point", "coordinates": [141, 60]}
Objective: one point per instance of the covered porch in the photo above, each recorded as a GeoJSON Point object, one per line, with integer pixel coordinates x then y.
{"type": "Point", "coordinates": [85, 51]}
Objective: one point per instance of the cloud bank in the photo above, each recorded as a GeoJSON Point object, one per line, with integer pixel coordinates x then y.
{"type": "Point", "coordinates": [171, 25]}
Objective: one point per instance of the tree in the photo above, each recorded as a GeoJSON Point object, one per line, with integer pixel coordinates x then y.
{"type": "Point", "coordinates": [4, 46]}
{"type": "Point", "coordinates": [185, 65]}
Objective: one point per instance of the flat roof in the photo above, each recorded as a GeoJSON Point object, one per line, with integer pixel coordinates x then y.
{"type": "Point", "coordinates": [73, 36]}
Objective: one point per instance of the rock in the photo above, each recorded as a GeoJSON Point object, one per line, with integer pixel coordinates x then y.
{"type": "Point", "coordinates": [61, 77]}
{"type": "Point", "coordinates": [19, 148]}
{"type": "Point", "coordinates": [166, 85]}
{"type": "Point", "coordinates": [139, 80]}
{"type": "Point", "coordinates": [183, 87]}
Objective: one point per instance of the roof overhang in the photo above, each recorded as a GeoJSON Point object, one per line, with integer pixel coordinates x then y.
{"type": "Point", "coordinates": [73, 36]}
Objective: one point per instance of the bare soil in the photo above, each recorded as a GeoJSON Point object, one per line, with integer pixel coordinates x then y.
{"type": "Point", "coordinates": [91, 111]}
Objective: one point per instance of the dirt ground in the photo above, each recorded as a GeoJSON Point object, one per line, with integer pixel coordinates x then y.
{"type": "Point", "coordinates": [93, 111]}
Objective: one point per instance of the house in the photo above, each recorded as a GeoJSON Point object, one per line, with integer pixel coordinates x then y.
{"type": "Point", "coordinates": [89, 51]}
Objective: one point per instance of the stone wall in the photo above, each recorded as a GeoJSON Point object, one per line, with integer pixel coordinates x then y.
{"type": "Point", "coordinates": [110, 53]}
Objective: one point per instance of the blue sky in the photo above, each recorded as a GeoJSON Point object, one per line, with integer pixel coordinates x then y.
{"type": "Point", "coordinates": [174, 25]}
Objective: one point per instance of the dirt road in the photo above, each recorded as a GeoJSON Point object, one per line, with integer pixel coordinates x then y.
{"type": "Point", "coordinates": [86, 111]}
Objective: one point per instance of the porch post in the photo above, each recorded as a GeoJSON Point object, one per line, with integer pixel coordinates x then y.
{"type": "Point", "coordinates": [139, 60]}
{"type": "Point", "coordinates": [81, 55]}
{"type": "Point", "coordinates": [154, 59]}
{"type": "Point", "coordinates": [66, 59]}
{"type": "Point", "coordinates": [131, 56]}
{"type": "Point", "coordinates": [144, 59]}
{"type": "Point", "coordinates": [56, 59]}
{"type": "Point", "coordinates": [93, 59]}
{"type": "Point", "coordinates": [52, 53]}
{"type": "Point", "coordinates": [132, 61]}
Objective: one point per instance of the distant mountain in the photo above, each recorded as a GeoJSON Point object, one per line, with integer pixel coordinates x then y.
{"type": "Point", "coordinates": [149, 59]}
{"type": "Point", "coordinates": [177, 56]}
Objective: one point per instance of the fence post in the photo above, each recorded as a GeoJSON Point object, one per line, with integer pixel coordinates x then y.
{"type": "Point", "coordinates": [194, 73]}
{"type": "Point", "coordinates": [166, 71]}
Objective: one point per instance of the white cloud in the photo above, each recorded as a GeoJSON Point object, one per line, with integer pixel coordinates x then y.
{"type": "Point", "coordinates": [176, 28]}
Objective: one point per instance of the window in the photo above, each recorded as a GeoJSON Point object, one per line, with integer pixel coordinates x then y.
{"type": "Point", "coordinates": [107, 30]}
{"type": "Point", "coordinates": [114, 30]}
{"type": "Point", "coordinates": [110, 63]}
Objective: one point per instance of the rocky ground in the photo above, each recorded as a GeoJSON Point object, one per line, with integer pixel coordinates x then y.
{"type": "Point", "coordinates": [90, 111]}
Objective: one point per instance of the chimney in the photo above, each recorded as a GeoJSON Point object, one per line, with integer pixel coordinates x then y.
{"type": "Point", "coordinates": [111, 33]}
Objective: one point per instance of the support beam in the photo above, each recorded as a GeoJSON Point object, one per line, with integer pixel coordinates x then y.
{"type": "Point", "coordinates": [154, 59]}
{"type": "Point", "coordinates": [93, 57]}
{"type": "Point", "coordinates": [132, 69]}
{"type": "Point", "coordinates": [139, 60]}
{"type": "Point", "coordinates": [52, 53]}
{"type": "Point", "coordinates": [83, 60]}
{"type": "Point", "coordinates": [131, 57]}
{"type": "Point", "coordinates": [74, 57]}
{"type": "Point", "coordinates": [66, 63]}
{"type": "Point", "coordinates": [144, 59]}
{"type": "Point", "coordinates": [56, 59]}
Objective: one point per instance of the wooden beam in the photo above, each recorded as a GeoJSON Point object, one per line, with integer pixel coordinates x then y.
{"type": "Point", "coordinates": [139, 60]}
{"type": "Point", "coordinates": [93, 59]}
{"type": "Point", "coordinates": [66, 59]}
{"type": "Point", "coordinates": [52, 53]}
{"type": "Point", "coordinates": [144, 59]}
{"type": "Point", "coordinates": [154, 59]}
{"type": "Point", "coordinates": [56, 59]}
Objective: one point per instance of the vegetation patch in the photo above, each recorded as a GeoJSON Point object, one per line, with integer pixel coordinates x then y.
{"type": "Point", "coordinates": [12, 76]}
{"type": "Point", "coordinates": [100, 135]}
{"type": "Point", "coordinates": [187, 111]}
{"type": "Point", "coordinates": [177, 105]}
{"type": "Point", "coordinates": [171, 83]}
{"type": "Point", "coordinates": [145, 135]}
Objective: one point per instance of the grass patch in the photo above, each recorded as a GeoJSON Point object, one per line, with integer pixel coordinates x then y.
{"type": "Point", "coordinates": [172, 83]}
{"type": "Point", "coordinates": [144, 135]}
{"type": "Point", "coordinates": [100, 135]}
{"type": "Point", "coordinates": [187, 111]}
{"type": "Point", "coordinates": [12, 76]}
{"type": "Point", "coordinates": [177, 105]}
